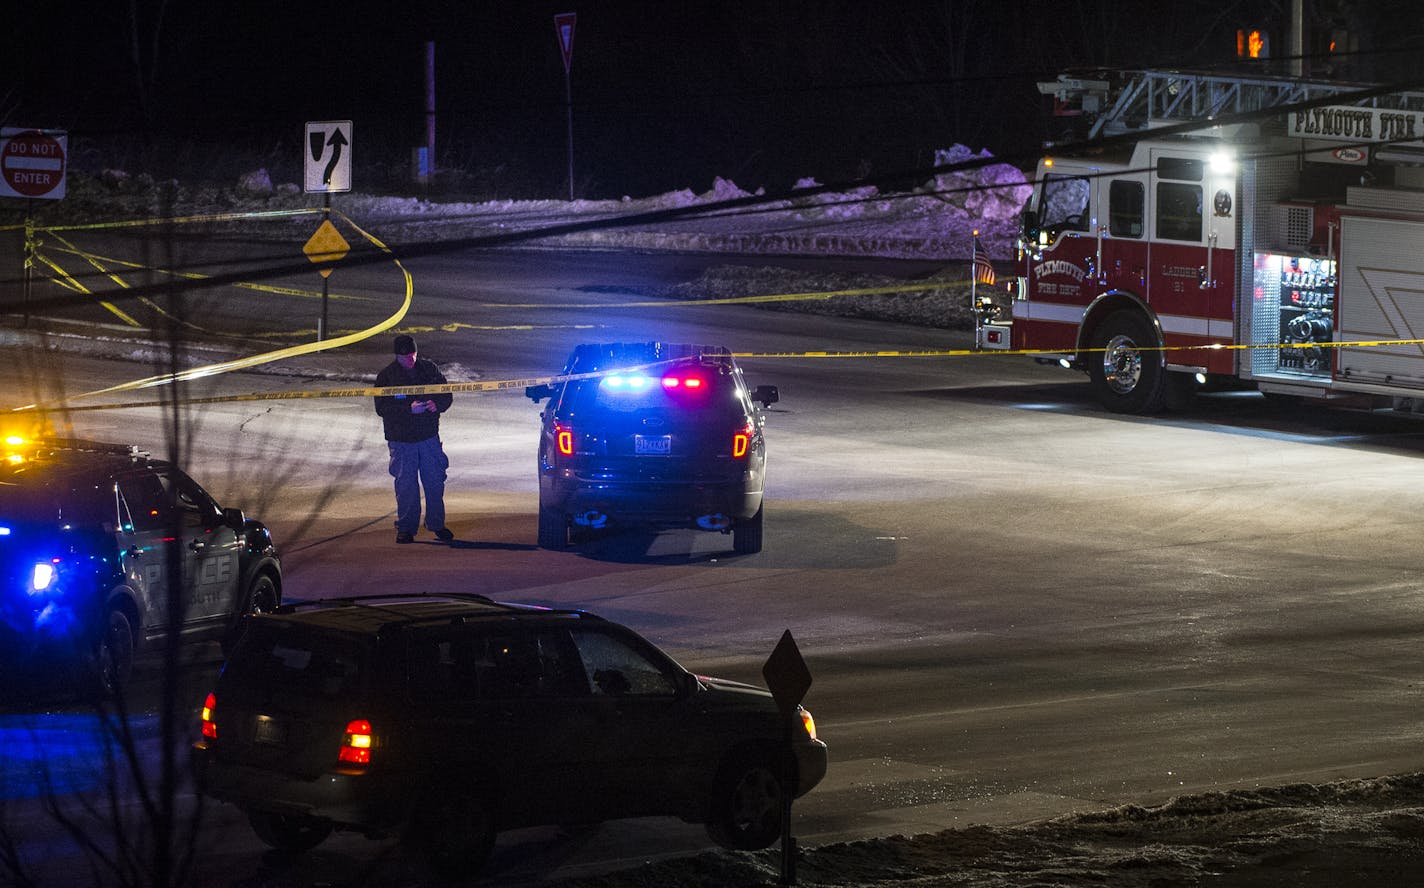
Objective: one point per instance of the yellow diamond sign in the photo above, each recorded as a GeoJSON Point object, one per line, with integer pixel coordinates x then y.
{"type": "Point", "coordinates": [326, 246]}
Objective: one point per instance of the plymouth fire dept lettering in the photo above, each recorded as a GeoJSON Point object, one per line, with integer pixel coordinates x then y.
{"type": "Point", "coordinates": [1348, 123]}
{"type": "Point", "coordinates": [1057, 267]}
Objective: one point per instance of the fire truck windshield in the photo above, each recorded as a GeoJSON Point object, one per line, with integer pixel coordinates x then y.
{"type": "Point", "coordinates": [1063, 204]}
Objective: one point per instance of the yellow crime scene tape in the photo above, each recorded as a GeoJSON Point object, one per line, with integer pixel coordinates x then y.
{"type": "Point", "coordinates": [238, 363]}
{"type": "Point", "coordinates": [106, 265]}
{"type": "Point", "coordinates": [502, 385]}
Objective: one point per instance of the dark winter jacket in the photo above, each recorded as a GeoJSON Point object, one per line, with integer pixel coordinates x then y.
{"type": "Point", "coordinates": [401, 424]}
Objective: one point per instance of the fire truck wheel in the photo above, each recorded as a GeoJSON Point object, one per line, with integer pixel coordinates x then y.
{"type": "Point", "coordinates": [1127, 379]}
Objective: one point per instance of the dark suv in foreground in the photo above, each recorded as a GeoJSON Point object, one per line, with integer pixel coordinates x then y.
{"type": "Point", "coordinates": [445, 719]}
{"type": "Point", "coordinates": [102, 548]}
{"type": "Point", "coordinates": [652, 433]}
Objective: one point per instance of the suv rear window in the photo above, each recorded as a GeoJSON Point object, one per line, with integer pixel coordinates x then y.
{"type": "Point", "coordinates": [309, 663]}
{"type": "Point", "coordinates": [85, 506]}
{"type": "Point", "coordinates": [687, 387]}
{"type": "Point", "coordinates": [454, 665]}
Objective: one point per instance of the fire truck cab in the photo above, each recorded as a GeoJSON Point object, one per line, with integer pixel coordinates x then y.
{"type": "Point", "coordinates": [1262, 251]}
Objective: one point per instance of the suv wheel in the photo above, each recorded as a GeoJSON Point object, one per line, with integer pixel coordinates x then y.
{"type": "Point", "coordinates": [113, 655]}
{"type": "Point", "coordinates": [553, 529]}
{"type": "Point", "coordinates": [456, 835]}
{"type": "Point", "coordinates": [746, 804]}
{"type": "Point", "coordinates": [746, 535]}
{"type": "Point", "coordinates": [288, 833]}
{"type": "Point", "coordinates": [261, 598]}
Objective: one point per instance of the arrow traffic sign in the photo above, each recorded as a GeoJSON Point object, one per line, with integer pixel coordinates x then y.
{"type": "Point", "coordinates": [326, 157]}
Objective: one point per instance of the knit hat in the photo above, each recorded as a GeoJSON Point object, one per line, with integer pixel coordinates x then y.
{"type": "Point", "coordinates": [405, 345]}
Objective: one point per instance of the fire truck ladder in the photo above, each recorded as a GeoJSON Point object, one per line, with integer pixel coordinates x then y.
{"type": "Point", "coordinates": [1147, 99]}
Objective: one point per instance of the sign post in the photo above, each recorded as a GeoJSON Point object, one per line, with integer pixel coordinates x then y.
{"type": "Point", "coordinates": [326, 168]}
{"type": "Point", "coordinates": [788, 678]}
{"type": "Point", "coordinates": [564, 28]}
{"type": "Point", "coordinates": [32, 163]}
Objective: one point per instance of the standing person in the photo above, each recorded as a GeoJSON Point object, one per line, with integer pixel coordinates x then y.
{"type": "Point", "coordinates": [413, 437]}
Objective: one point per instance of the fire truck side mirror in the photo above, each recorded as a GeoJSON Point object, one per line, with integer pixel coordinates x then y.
{"type": "Point", "coordinates": [1029, 229]}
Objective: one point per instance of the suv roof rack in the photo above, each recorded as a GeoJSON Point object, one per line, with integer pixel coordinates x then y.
{"type": "Point", "coordinates": [367, 602]}
{"type": "Point", "coordinates": [363, 600]}
{"type": "Point", "coordinates": [82, 445]}
{"type": "Point", "coordinates": [604, 355]}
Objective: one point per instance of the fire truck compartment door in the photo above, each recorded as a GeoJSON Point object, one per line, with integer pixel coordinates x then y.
{"type": "Point", "coordinates": [1381, 298]}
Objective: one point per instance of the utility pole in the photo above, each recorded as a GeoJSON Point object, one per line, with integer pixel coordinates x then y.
{"type": "Point", "coordinates": [564, 28]}
{"type": "Point", "coordinates": [430, 110]}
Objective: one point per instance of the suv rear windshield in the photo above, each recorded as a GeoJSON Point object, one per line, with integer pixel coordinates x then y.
{"type": "Point", "coordinates": [315, 664]}
{"type": "Point", "coordinates": [44, 505]}
{"type": "Point", "coordinates": [689, 387]}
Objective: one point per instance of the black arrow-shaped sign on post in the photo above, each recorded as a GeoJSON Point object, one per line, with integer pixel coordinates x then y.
{"type": "Point", "coordinates": [338, 138]}
{"type": "Point", "coordinates": [788, 679]}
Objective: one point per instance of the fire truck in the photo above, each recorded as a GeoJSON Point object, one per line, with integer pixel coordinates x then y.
{"type": "Point", "coordinates": [1226, 232]}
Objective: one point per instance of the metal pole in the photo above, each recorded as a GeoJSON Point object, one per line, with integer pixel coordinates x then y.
{"type": "Point", "coordinates": [569, 109]}
{"type": "Point", "coordinates": [788, 784]}
{"type": "Point", "coordinates": [429, 110]}
{"type": "Point", "coordinates": [974, 285]}
{"type": "Point", "coordinates": [325, 285]}
{"type": "Point", "coordinates": [29, 248]}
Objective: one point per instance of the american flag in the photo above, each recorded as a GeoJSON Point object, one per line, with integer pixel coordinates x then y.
{"type": "Point", "coordinates": [983, 268]}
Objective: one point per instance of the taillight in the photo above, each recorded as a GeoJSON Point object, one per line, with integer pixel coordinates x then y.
{"type": "Point", "coordinates": [42, 575]}
{"type": "Point", "coordinates": [741, 441]}
{"type": "Point", "coordinates": [356, 745]}
{"type": "Point", "coordinates": [564, 439]}
{"type": "Point", "coordinates": [210, 727]}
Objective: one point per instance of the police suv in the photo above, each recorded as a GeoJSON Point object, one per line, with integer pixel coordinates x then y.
{"type": "Point", "coordinates": [106, 552]}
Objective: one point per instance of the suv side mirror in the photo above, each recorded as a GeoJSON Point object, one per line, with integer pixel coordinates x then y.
{"type": "Point", "coordinates": [766, 394]}
{"type": "Point", "coordinates": [687, 685]}
{"type": "Point", "coordinates": [537, 393]}
{"type": "Point", "coordinates": [234, 518]}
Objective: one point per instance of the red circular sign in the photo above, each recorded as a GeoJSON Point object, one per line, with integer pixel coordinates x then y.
{"type": "Point", "coordinates": [32, 163]}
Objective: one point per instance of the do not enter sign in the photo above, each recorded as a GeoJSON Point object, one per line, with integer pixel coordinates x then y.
{"type": "Point", "coordinates": [32, 163]}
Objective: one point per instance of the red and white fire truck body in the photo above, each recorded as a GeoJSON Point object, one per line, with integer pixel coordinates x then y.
{"type": "Point", "coordinates": [1248, 255]}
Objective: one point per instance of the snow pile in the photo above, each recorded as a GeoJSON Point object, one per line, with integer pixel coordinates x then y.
{"type": "Point", "coordinates": [945, 305]}
{"type": "Point", "coordinates": [995, 193]}
{"type": "Point", "coordinates": [1350, 834]}
{"type": "Point", "coordinates": [934, 220]}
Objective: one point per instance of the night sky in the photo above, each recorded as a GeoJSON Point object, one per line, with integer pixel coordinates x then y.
{"type": "Point", "coordinates": [666, 94]}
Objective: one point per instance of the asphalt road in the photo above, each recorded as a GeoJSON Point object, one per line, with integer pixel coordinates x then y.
{"type": "Point", "coordinates": [1013, 604]}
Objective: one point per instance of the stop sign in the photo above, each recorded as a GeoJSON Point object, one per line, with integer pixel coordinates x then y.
{"type": "Point", "coordinates": [32, 164]}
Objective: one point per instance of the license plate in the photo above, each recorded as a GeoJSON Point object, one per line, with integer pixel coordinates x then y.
{"type": "Point", "coordinates": [652, 445]}
{"type": "Point", "coordinates": [270, 730]}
